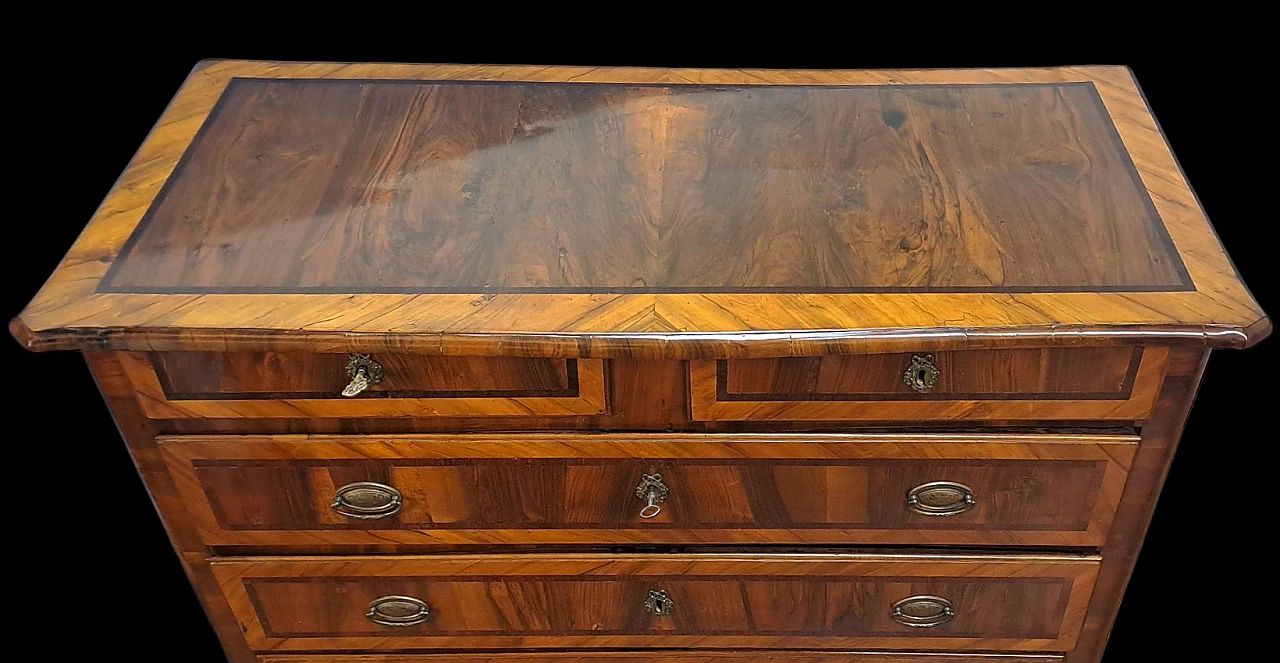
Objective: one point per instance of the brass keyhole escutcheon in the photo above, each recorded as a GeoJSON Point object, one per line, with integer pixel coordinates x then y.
{"type": "Point", "coordinates": [922, 374]}
{"type": "Point", "coordinates": [654, 492]}
{"type": "Point", "coordinates": [363, 372]}
{"type": "Point", "coordinates": [658, 603]}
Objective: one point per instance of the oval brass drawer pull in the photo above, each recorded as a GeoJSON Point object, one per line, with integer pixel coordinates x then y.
{"type": "Point", "coordinates": [921, 375]}
{"type": "Point", "coordinates": [367, 500]}
{"type": "Point", "coordinates": [941, 498]}
{"type": "Point", "coordinates": [658, 603]}
{"type": "Point", "coordinates": [363, 371]}
{"type": "Point", "coordinates": [653, 492]}
{"type": "Point", "coordinates": [923, 611]}
{"type": "Point", "coordinates": [398, 611]}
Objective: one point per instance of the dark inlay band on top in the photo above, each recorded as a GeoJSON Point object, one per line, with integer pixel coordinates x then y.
{"type": "Point", "coordinates": [581, 231]}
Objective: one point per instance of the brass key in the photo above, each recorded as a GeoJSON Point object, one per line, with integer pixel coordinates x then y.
{"type": "Point", "coordinates": [364, 373]}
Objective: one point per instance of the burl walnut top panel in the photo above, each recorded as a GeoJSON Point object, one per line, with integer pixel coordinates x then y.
{"type": "Point", "coordinates": [611, 212]}
{"type": "Point", "coordinates": [352, 186]}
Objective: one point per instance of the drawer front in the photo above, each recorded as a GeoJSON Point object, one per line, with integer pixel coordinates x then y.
{"type": "Point", "coordinates": [745, 656]}
{"type": "Point", "coordinates": [685, 601]}
{"type": "Point", "coordinates": [481, 489]}
{"type": "Point", "coordinates": [182, 385]}
{"type": "Point", "coordinates": [1109, 384]}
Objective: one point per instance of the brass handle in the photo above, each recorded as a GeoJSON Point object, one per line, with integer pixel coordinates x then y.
{"type": "Point", "coordinates": [363, 371]}
{"type": "Point", "coordinates": [653, 492]}
{"type": "Point", "coordinates": [398, 611]}
{"type": "Point", "coordinates": [367, 500]}
{"type": "Point", "coordinates": [941, 498]}
{"type": "Point", "coordinates": [921, 375]}
{"type": "Point", "coordinates": [658, 603]}
{"type": "Point", "coordinates": [923, 611]}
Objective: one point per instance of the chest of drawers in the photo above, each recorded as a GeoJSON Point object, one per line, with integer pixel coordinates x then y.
{"type": "Point", "coordinates": [457, 364]}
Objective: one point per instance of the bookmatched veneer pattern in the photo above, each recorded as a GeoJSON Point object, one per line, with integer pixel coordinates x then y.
{"type": "Point", "coordinates": [445, 247]}
{"type": "Point", "coordinates": [478, 187]}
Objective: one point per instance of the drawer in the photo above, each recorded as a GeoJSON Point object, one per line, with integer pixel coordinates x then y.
{"type": "Point", "coordinates": [178, 385]}
{"type": "Point", "coordinates": [297, 490]}
{"type": "Point", "coordinates": [1076, 384]}
{"type": "Point", "coordinates": [798, 601]}
{"type": "Point", "coordinates": [745, 656]}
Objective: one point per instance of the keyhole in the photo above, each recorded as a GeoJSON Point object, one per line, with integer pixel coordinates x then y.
{"type": "Point", "coordinates": [660, 606]}
{"type": "Point", "coordinates": [920, 376]}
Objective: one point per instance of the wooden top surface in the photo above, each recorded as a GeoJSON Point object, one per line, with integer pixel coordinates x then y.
{"type": "Point", "coordinates": [612, 212]}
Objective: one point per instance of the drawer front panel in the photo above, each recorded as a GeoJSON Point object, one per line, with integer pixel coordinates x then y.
{"type": "Point", "coordinates": [751, 656]}
{"type": "Point", "coordinates": [300, 385]}
{"type": "Point", "coordinates": [1113, 383]}
{"type": "Point", "coordinates": [783, 601]}
{"type": "Point", "coordinates": [850, 489]}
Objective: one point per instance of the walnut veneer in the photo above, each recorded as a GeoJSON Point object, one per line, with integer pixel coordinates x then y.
{"type": "Point", "coordinates": [474, 364]}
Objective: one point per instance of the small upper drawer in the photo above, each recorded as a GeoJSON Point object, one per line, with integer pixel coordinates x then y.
{"type": "Point", "coordinates": [1046, 384]}
{"type": "Point", "coordinates": [702, 601]}
{"type": "Point", "coordinates": [180, 385]}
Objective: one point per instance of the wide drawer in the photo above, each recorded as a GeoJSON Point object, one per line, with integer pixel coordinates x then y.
{"type": "Point", "coordinates": [816, 601]}
{"type": "Point", "coordinates": [1049, 384]}
{"type": "Point", "coordinates": [178, 385]}
{"type": "Point", "coordinates": [744, 656]}
{"type": "Point", "coordinates": [297, 490]}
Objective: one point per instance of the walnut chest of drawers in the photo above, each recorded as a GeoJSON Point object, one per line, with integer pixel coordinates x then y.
{"type": "Point", "coordinates": [458, 364]}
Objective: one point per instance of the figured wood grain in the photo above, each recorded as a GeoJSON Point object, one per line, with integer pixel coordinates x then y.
{"type": "Point", "coordinates": [1009, 603]}
{"type": "Point", "coordinates": [416, 394]}
{"type": "Point", "coordinates": [139, 435]}
{"type": "Point", "coordinates": [1060, 158]}
{"type": "Point", "coordinates": [321, 186]}
{"type": "Point", "coordinates": [266, 491]}
{"type": "Point", "coordinates": [1159, 442]}
{"type": "Point", "coordinates": [744, 656]}
{"type": "Point", "coordinates": [835, 388]}
{"type": "Point", "coordinates": [234, 375]}
{"type": "Point", "coordinates": [641, 396]}
{"type": "Point", "coordinates": [1045, 373]}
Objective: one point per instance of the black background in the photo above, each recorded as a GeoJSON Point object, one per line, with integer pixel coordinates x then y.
{"type": "Point", "coordinates": [94, 535]}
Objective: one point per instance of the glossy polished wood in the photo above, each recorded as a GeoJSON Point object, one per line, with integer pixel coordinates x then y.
{"type": "Point", "coordinates": [1056, 490]}
{"type": "Point", "coordinates": [139, 434]}
{"type": "Point", "coordinates": [1070, 384]}
{"type": "Point", "coordinates": [1012, 603]}
{"type": "Point", "coordinates": [357, 186]}
{"type": "Point", "coordinates": [1159, 442]}
{"type": "Point", "coordinates": [283, 385]}
{"type": "Point", "coordinates": [746, 656]}
{"type": "Point", "coordinates": [732, 269]}
{"type": "Point", "coordinates": [898, 182]}
{"type": "Point", "coordinates": [1103, 373]}
{"type": "Point", "coordinates": [269, 375]}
